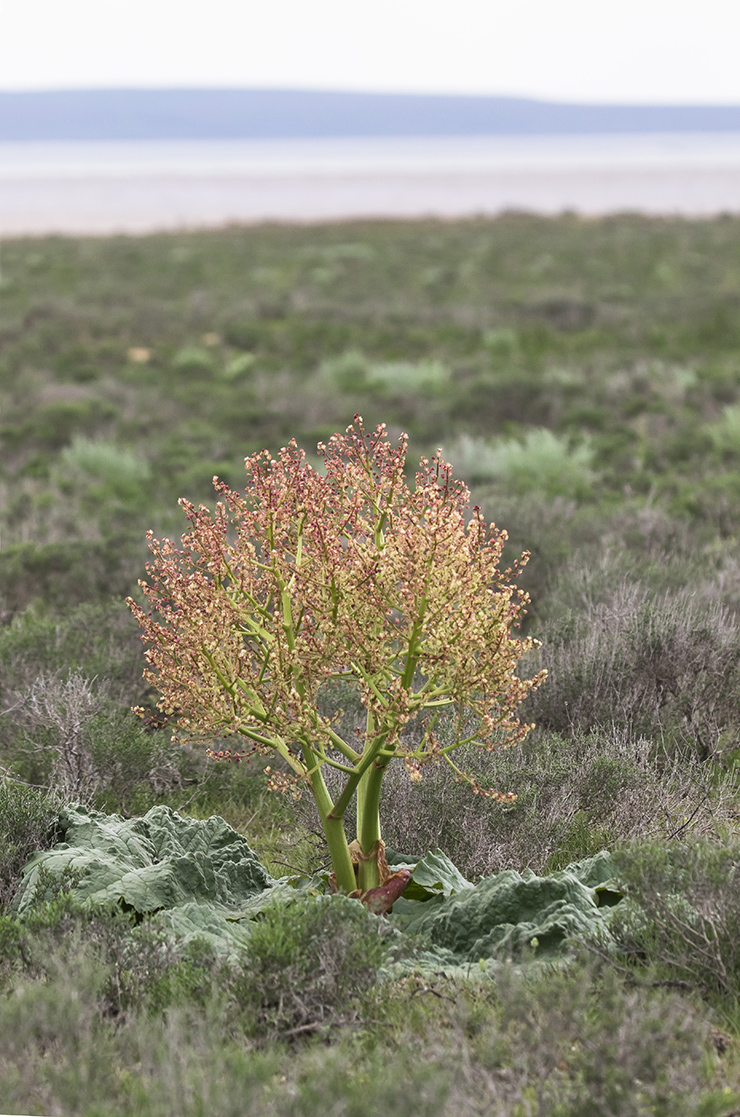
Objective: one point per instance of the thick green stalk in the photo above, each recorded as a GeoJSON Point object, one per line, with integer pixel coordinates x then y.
{"type": "Point", "coordinates": [341, 858]}
{"type": "Point", "coordinates": [336, 839]}
{"type": "Point", "coordinates": [353, 782]}
{"type": "Point", "coordinates": [368, 822]}
{"type": "Point", "coordinates": [362, 785]}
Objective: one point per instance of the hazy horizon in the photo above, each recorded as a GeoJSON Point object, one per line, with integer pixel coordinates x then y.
{"type": "Point", "coordinates": [250, 113]}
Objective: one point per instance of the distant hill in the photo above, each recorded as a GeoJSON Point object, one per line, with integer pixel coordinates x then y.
{"type": "Point", "coordinates": [197, 114]}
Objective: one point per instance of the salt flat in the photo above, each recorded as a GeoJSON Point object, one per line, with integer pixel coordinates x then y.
{"type": "Point", "coordinates": [144, 186]}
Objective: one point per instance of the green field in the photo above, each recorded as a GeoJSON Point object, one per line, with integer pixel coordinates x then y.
{"type": "Point", "coordinates": [583, 378]}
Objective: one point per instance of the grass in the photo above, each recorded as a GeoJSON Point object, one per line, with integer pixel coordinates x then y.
{"type": "Point", "coordinates": [192, 1038]}
{"type": "Point", "coordinates": [541, 463]}
{"type": "Point", "coordinates": [584, 377]}
{"type": "Point", "coordinates": [133, 369]}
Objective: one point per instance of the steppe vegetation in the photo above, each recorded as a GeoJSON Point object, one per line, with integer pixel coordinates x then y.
{"type": "Point", "coordinates": [583, 378]}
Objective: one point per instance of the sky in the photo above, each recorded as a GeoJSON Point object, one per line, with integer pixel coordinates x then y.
{"type": "Point", "coordinates": [628, 51]}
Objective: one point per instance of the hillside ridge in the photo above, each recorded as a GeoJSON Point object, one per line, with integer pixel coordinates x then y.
{"type": "Point", "coordinates": [197, 114]}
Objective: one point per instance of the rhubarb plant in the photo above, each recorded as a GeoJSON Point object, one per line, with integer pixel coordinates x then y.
{"type": "Point", "coordinates": [348, 574]}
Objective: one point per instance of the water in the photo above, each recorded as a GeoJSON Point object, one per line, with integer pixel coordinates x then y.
{"type": "Point", "coordinates": [145, 186]}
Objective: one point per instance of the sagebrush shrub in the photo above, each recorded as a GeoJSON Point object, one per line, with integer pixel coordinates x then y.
{"type": "Point", "coordinates": [70, 735]}
{"type": "Point", "coordinates": [665, 667]}
{"type": "Point", "coordinates": [580, 1043]}
{"type": "Point", "coordinates": [683, 911]}
{"type": "Point", "coordinates": [573, 1040]}
{"type": "Point", "coordinates": [94, 640]}
{"type": "Point", "coordinates": [575, 795]}
{"type": "Point", "coordinates": [28, 818]}
{"type": "Point", "coordinates": [307, 963]}
{"type": "Point", "coordinates": [540, 463]}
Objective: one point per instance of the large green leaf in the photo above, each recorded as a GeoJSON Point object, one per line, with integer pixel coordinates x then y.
{"type": "Point", "coordinates": [509, 913]}
{"type": "Point", "coordinates": [433, 875]}
{"type": "Point", "coordinates": [200, 879]}
{"type": "Point", "coordinates": [148, 864]}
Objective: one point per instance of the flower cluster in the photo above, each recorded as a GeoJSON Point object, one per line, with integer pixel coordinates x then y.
{"type": "Point", "coordinates": [311, 577]}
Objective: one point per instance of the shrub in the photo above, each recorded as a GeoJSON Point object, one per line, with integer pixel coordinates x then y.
{"type": "Point", "coordinates": [193, 359]}
{"type": "Point", "coordinates": [28, 817]}
{"type": "Point", "coordinates": [97, 489]}
{"type": "Point", "coordinates": [664, 666]}
{"type": "Point", "coordinates": [82, 744]}
{"type": "Point", "coordinates": [306, 964]}
{"type": "Point", "coordinates": [633, 548]}
{"type": "Point", "coordinates": [405, 377]}
{"type": "Point", "coordinates": [683, 914]}
{"type": "Point", "coordinates": [348, 371]}
{"type": "Point", "coordinates": [140, 965]}
{"type": "Point", "coordinates": [579, 1042]}
{"type": "Point", "coordinates": [45, 660]}
{"type": "Point", "coordinates": [65, 574]}
{"type": "Point", "coordinates": [569, 1041]}
{"type": "Point", "coordinates": [133, 766]}
{"type": "Point", "coordinates": [494, 401]}
{"type": "Point", "coordinates": [541, 462]}
{"type": "Point", "coordinates": [66, 728]}
{"type": "Point", "coordinates": [575, 796]}
{"type": "Point", "coordinates": [725, 433]}
{"type": "Point", "coordinates": [96, 640]}
{"type": "Point", "coordinates": [103, 461]}
{"type": "Point", "coordinates": [58, 712]}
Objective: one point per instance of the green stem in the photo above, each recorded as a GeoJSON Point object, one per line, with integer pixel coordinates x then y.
{"type": "Point", "coordinates": [362, 785]}
{"type": "Point", "coordinates": [278, 745]}
{"type": "Point", "coordinates": [342, 746]}
{"type": "Point", "coordinates": [333, 825]}
{"type": "Point", "coordinates": [336, 839]}
{"type": "Point", "coordinates": [349, 788]}
{"type": "Point", "coordinates": [341, 858]}
{"type": "Point", "coordinates": [368, 822]}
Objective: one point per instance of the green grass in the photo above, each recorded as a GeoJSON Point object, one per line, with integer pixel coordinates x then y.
{"type": "Point", "coordinates": [583, 375]}
{"type": "Point", "coordinates": [490, 330]}
{"type": "Point", "coordinates": [103, 1018]}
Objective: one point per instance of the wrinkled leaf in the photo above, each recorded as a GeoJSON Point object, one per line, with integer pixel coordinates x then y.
{"type": "Point", "coordinates": [200, 879]}
{"type": "Point", "coordinates": [433, 875]}
{"type": "Point", "coordinates": [148, 864]}
{"type": "Point", "coordinates": [509, 913]}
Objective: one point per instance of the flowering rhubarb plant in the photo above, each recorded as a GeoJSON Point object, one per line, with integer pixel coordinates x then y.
{"type": "Point", "coordinates": [311, 577]}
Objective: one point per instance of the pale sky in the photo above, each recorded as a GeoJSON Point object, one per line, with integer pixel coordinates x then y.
{"type": "Point", "coordinates": [661, 51]}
